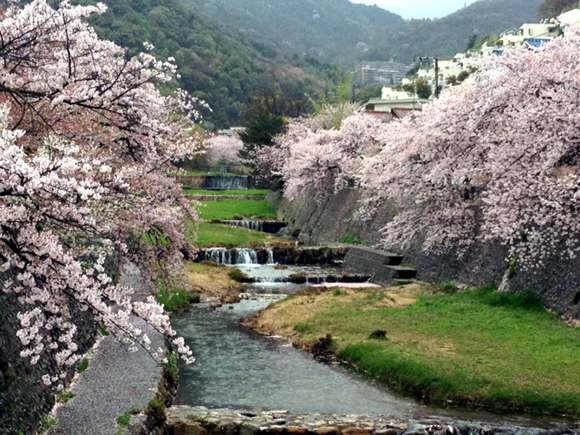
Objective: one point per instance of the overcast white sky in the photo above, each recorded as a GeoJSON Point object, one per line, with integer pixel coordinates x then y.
{"type": "Point", "coordinates": [419, 8]}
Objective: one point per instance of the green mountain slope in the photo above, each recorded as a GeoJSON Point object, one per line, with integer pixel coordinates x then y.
{"type": "Point", "coordinates": [449, 35]}
{"type": "Point", "coordinates": [341, 32]}
{"type": "Point", "coordinates": [215, 64]}
{"type": "Point", "coordinates": [332, 30]}
{"type": "Point", "coordinates": [230, 51]}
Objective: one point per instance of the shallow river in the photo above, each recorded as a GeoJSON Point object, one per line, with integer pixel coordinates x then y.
{"type": "Point", "coordinates": [240, 369]}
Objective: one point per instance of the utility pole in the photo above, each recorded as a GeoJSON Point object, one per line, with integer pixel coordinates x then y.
{"type": "Point", "coordinates": [436, 77]}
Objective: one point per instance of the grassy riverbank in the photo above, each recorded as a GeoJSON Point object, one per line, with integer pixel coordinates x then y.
{"type": "Point", "coordinates": [207, 280]}
{"type": "Point", "coordinates": [203, 192]}
{"type": "Point", "coordinates": [502, 352]}
{"type": "Point", "coordinates": [213, 281]}
{"type": "Point", "coordinates": [224, 235]}
{"type": "Point", "coordinates": [236, 208]}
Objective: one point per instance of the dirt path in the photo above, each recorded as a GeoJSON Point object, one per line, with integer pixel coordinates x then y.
{"type": "Point", "coordinates": [116, 381]}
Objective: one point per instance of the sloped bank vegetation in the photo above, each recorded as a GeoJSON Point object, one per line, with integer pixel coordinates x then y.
{"type": "Point", "coordinates": [479, 348]}
{"type": "Point", "coordinates": [480, 187]}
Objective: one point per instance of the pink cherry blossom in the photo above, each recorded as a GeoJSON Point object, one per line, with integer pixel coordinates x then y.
{"type": "Point", "coordinates": [86, 140]}
{"type": "Point", "coordinates": [493, 160]}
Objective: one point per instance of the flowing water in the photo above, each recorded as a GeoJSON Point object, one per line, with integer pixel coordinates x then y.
{"type": "Point", "coordinates": [241, 369]}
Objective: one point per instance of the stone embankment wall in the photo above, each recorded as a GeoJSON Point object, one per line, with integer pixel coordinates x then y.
{"type": "Point", "coordinates": [217, 182]}
{"type": "Point", "coordinates": [334, 219]}
{"type": "Point", "coordinates": [383, 267]}
{"type": "Point", "coordinates": [24, 398]}
{"type": "Point", "coordinates": [185, 420]}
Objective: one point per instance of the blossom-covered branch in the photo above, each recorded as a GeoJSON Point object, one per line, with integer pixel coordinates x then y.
{"type": "Point", "coordinates": [497, 159]}
{"type": "Point", "coordinates": [85, 142]}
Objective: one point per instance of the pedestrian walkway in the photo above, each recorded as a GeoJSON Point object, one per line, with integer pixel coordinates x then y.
{"type": "Point", "coordinates": [116, 382]}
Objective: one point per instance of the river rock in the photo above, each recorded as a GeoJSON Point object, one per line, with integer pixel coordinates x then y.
{"type": "Point", "coordinates": [389, 431]}
{"type": "Point", "coordinates": [189, 428]}
{"type": "Point", "coordinates": [293, 430]}
{"type": "Point", "coordinates": [275, 430]}
{"type": "Point", "coordinates": [228, 427]}
{"type": "Point", "coordinates": [356, 431]}
{"type": "Point", "coordinates": [416, 429]}
{"type": "Point", "coordinates": [249, 429]}
{"type": "Point", "coordinates": [326, 431]}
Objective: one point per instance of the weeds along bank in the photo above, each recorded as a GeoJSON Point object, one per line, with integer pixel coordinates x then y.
{"type": "Point", "coordinates": [334, 220]}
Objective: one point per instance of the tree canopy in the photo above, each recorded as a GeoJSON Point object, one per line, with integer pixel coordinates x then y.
{"type": "Point", "coordinates": [86, 139]}
{"type": "Point", "coordinates": [494, 160]}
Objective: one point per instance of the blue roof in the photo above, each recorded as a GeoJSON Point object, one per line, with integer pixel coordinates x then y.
{"type": "Point", "coordinates": [536, 42]}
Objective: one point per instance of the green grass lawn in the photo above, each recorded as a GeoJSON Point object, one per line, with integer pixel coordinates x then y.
{"type": "Point", "coordinates": [236, 208]}
{"type": "Point", "coordinates": [225, 235]}
{"type": "Point", "coordinates": [249, 192]}
{"type": "Point", "coordinates": [502, 352]}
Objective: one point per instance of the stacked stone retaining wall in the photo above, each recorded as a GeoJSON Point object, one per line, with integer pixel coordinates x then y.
{"type": "Point", "coordinates": [185, 420]}
{"type": "Point", "coordinates": [334, 219]}
{"type": "Point", "coordinates": [24, 398]}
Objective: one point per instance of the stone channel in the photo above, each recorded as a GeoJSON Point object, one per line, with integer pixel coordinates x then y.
{"type": "Point", "coordinates": [248, 384]}
{"type": "Point", "coordinates": [186, 420]}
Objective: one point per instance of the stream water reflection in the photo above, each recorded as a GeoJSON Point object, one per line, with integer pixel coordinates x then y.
{"type": "Point", "coordinates": [240, 369]}
{"type": "Point", "coordinates": [237, 368]}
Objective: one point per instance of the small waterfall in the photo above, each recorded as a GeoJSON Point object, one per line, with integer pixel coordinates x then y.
{"type": "Point", "coordinates": [221, 182]}
{"type": "Point", "coordinates": [270, 257]}
{"type": "Point", "coordinates": [247, 224]}
{"type": "Point", "coordinates": [219, 255]}
{"type": "Point", "coordinates": [255, 225]}
{"type": "Point", "coordinates": [246, 256]}
{"type": "Point", "coordinates": [262, 280]}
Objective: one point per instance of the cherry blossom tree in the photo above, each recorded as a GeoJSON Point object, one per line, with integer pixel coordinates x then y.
{"type": "Point", "coordinates": [310, 155]}
{"type": "Point", "coordinates": [493, 160]}
{"type": "Point", "coordinates": [224, 150]}
{"type": "Point", "coordinates": [86, 140]}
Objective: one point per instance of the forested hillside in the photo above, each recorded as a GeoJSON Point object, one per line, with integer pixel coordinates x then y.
{"type": "Point", "coordinates": [215, 65]}
{"type": "Point", "coordinates": [341, 32]}
{"type": "Point", "coordinates": [333, 30]}
{"type": "Point", "coordinates": [449, 35]}
{"type": "Point", "coordinates": [233, 52]}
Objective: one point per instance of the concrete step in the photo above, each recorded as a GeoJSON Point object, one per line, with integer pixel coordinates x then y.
{"type": "Point", "coordinates": [393, 259]}
{"type": "Point", "coordinates": [402, 272]}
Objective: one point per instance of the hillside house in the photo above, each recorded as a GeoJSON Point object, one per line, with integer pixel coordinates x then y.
{"type": "Point", "coordinates": [398, 103]}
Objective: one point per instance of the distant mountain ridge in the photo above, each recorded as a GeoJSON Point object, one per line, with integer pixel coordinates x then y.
{"type": "Point", "coordinates": [342, 32]}
{"type": "Point", "coordinates": [215, 64]}
{"type": "Point", "coordinates": [449, 35]}
{"type": "Point", "coordinates": [231, 51]}
{"type": "Point", "coordinates": [331, 30]}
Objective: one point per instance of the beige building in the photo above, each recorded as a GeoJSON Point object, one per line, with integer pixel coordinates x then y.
{"type": "Point", "coordinates": [392, 99]}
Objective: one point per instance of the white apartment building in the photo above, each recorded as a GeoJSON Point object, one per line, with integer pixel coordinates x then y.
{"type": "Point", "coordinates": [529, 34]}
